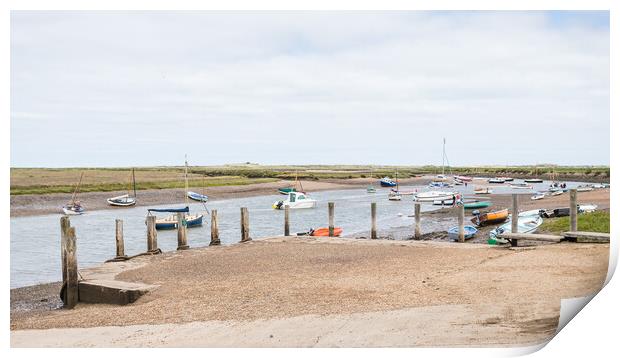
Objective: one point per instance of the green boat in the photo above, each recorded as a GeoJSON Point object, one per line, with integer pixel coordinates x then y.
{"type": "Point", "coordinates": [286, 191]}
{"type": "Point", "coordinates": [477, 205]}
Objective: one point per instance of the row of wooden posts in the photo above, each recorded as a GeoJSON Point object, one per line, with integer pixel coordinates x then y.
{"type": "Point", "coordinates": [68, 237]}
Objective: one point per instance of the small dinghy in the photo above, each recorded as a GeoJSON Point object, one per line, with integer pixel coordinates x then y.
{"type": "Point", "coordinates": [387, 182]}
{"type": "Point", "coordinates": [533, 180]}
{"type": "Point", "coordinates": [521, 186]}
{"type": "Point", "coordinates": [463, 178]}
{"type": "Point", "coordinates": [477, 205]}
{"type": "Point", "coordinates": [122, 200]}
{"type": "Point", "coordinates": [170, 222]}
{"type": "Point", "coordinates": [470, 231]}
{"type": "Point", "coordinates": [526, 224]}
{"type": "Point", "coordinates": [538, 196]}
{"type": "Point", "coordinates": [198, 197]}
{"type": "Point", "coordinates": [394, 196]}
{"type": "Point", "coordinates": [431, 196]}
{"type": "Point", "coordinates": [483, 191]}
{"type": "Point", "coordinates": [556, 193]}
{"type": "Point", "coordinates": [324, 231]}
{"type": "Point", "coordinates": [494, 217]}
{"type": "Point", "coordinates": [371, 189]}
{"type": "Point", "coordinates": [496, 181]}
{"type": "Point", "coordinates": [439, 184]}
{"type": "Point", "coordinates": [126, 199]}
{"type": "Point", "coordinates": [75, 207]}
{"type": "Point", "coordinates": [586, 208]}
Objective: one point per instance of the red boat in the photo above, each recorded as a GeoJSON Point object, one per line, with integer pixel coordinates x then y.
{"type": "Point", "coordinates": [324, 231]}
{"type": "Point", "coordinates": [463, 178]}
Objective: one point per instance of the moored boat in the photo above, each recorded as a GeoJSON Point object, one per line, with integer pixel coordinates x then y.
{"type": "Point", "coordinates": [538, 196]}
{"type": "Point", "coordinates": [470, 231]}
{"type": "Point", "coordinates": [295, 200]}
{"type": "Point", "coordinates": [170, 222]}
{"type": "Point", "coordinates": [74, 207]}
{"type": "Point", "coordinates": [506, 178]}
{"type": "Point", "coordinates": [430, 196]}
{"type": "Point", "coordinates": [521, 186]}
{"type": "Point", "coordinates": [477, 205]}
{"type": "Point", "coordinates": [386, 181]}
{"type": "Point", "coordinates": [196, 196]}
{"type": "Point", "coordinates": [526, 224]}
{"type": "Point", "coordinates": [533, 180]}
{"type": "Point", "coordinates": [496, 181]}
{"type": "Point", "coordinates": [371, 189]}
{"type": "Point", "coordinates": [439, 184]}
{"type": "Point", "coordinates": [463, 178]}
{"type": "Point", "coordinates": [586, 208]}
{"type": "Point", "coordinates": [122, 200]}
{"type": "Point", "coordinates": [490, 218]}
{"type": "Point", "coordinates": [485, 190]}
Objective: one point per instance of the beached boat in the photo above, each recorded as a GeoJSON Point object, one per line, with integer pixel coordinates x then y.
{"type": "Point", "coordinates": [430, 196]}
{"type": "Point", "coordinates": [457, 182]}
{"type": "Point", "coordinates": [295, 200]}
{"type": "Point", "coordinates": [470, 231]}
{"type": "Point", "coordinates": [556, 193]}
{"type": "Point", "coordinates": [486, 190]}
{"type": "Point", "coordinates": [443, 202]}
{"type": "Point", "coordinates": [586, 208]}
{"type": "Point", "coordinates": [533, 180]}
{"type": "Point", "coordinates": [506, 179]}
{"type": "Point", "coordinates": [196, 196]}
{"type": "Point", "coordinates": [526, 224]}
{"type": "Point", "coordinates": [582, 188]}
{"type": "Point", "coordinates": [387, 182]}
{"type": "Point", "coordinates": [521, 186]}
{"type": "Point", "coordinates": [371, 189]}
{"type": "Point", "coordinates": [324, 231]}
{"type": "Point", "coordinates": [490, 218]}
{"type": "Point", "coordinates": [439, 184]}
{"type": "Point", "coordinates": [477, 205]}
{"type": "Point", "coordinates": [495, 181]}
{"type": "Point", "coordinates": [126, 199]}
{"type": "Point", "coordinates": [463, 178]}
{"type": "Point", "coordinates": [74, 207]}
{"type": "Point", "coordinates": [122, 200]}
{"type": "Point", "coordinates": [538, 196]}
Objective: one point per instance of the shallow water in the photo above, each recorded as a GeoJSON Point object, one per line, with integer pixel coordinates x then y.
{"type": "Point", "coordinates": [35, 240]}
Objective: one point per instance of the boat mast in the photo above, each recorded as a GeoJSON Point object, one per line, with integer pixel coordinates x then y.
{"type": "Point", "coordinates": [186, 183]}
{"type": "Point", "coordinates": [75, 191]}
{"type": "Point", "coordinates": [133, 175]}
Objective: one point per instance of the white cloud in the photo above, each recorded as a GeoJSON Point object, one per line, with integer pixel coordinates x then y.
{"type": "Point", "coordinates": [350, 87]}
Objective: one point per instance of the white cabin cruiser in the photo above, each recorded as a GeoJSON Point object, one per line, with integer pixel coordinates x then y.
{"type": "Point", "coordinates": [430, 196]}
{"type": "Point", "coordinates": [295, 200]}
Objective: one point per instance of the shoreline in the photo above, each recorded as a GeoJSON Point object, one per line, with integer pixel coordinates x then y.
{"type": "Point", "coordinates": [43, 204]}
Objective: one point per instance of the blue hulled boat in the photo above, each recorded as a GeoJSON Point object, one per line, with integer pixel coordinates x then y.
{"type": "Point", "coordinates": [170, 222]}
{"type": "Point", "coordinates": [387, 182]}
{"type": "Point", "coordinates": [198, 197]}
{"type": "Point", "coordinates": [470, 231]}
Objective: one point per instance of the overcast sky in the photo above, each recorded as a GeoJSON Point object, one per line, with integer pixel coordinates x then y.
{"type": "Point", "coordinates": [144, 88]}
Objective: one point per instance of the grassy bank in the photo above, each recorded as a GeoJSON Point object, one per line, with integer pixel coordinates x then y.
{"type": "Point", "coordinates": [597, 221]}
{"type": "Point", "coordinates": [62, 180]}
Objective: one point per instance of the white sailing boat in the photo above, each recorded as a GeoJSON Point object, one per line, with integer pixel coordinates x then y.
{"type": "Point", "coordinates": [75, 207]}
{"type": "Point", "coordinates": [125, 199]}
{"type": "Point", "coordinates": [394, 195]}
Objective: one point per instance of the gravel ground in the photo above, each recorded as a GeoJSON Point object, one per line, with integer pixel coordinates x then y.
{"type": "Point", "coordinates": [288, 277]}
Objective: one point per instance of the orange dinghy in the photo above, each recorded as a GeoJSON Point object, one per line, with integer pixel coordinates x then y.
{"type": "Point", "coordinates": [490, 218]}
{"type": "Point", "coordinates": [324, 231]}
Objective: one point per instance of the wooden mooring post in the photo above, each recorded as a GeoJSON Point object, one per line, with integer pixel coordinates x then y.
{"type": "Point", "coordinates": [151, 235]}
{"type": "Point", "coordinates": [330, 210]}
{"type": "Point", "coordinates": [120, 241]}
{"type": "Point", "coordinates": [373, 220]}
{"type": "Point", "coordinates": [182, 232]}
{"type": "Point", "coordinates": [287, 231]}
{"type": "Point", "coordinates": [514, 227]}
{"type": "Point", "coordinates": [418, 228]}
{"type": "Point", "coordinates": [245, 225]}
{"type": "Point", "coordinates": [69, 292]}
{"type": "Point", "coordinates": [215, 232]}
{"type": "Point", "coordinates": [461, 220]}
{"type": "Point", "coordinates": [573, 210]}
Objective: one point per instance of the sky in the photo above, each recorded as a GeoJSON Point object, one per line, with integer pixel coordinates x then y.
{"type": "Point", "coordinates": [97, 89]}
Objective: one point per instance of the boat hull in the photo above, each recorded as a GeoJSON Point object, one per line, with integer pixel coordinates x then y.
{"type": "Point", "coordinates": [197, 197]}
{"type": "Point", "coordinates": [123, 200]}
{"type": "Point", "coordinates": [170, 222]}
{"type": "Point", "coordinates": [431, 196]}
{"type": "Point", "coordinates": [491, 218]}
{"type": "Point", "coordinates": [470, 231]}
{"type": "Point", "coordinates": [324, 231]}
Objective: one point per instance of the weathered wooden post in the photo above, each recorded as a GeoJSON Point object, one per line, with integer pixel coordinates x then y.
{"type": "Point", "coordinates": [330, 209]}
{"type": "Point", "coordinates": [418, 219]}
{"type": "Point", "coordinates": [514, 228]}
{"type": "Point", "coordinates": [65, 224]}
{"type": "Point", "coordinates": [182, 232]}
{"type": "Point", "coordinates": [71, 284]}
{"type": "Point", "coordinates": [287, 231]}
{"type": "Point", "coordinates": [245, 225]}
{"type": "Point", "coordinates": [573, 210]}
{"type": "Point", "coordinates": [120, 241]}
{"type": "Point", "coordinates": [151, 234]}
{"type": "Point", "coordinates": [373, 220]}
{"type": "Point", "coordinates": [461, 219]}
{"type": "Point", "coordinates": [215, 232]}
